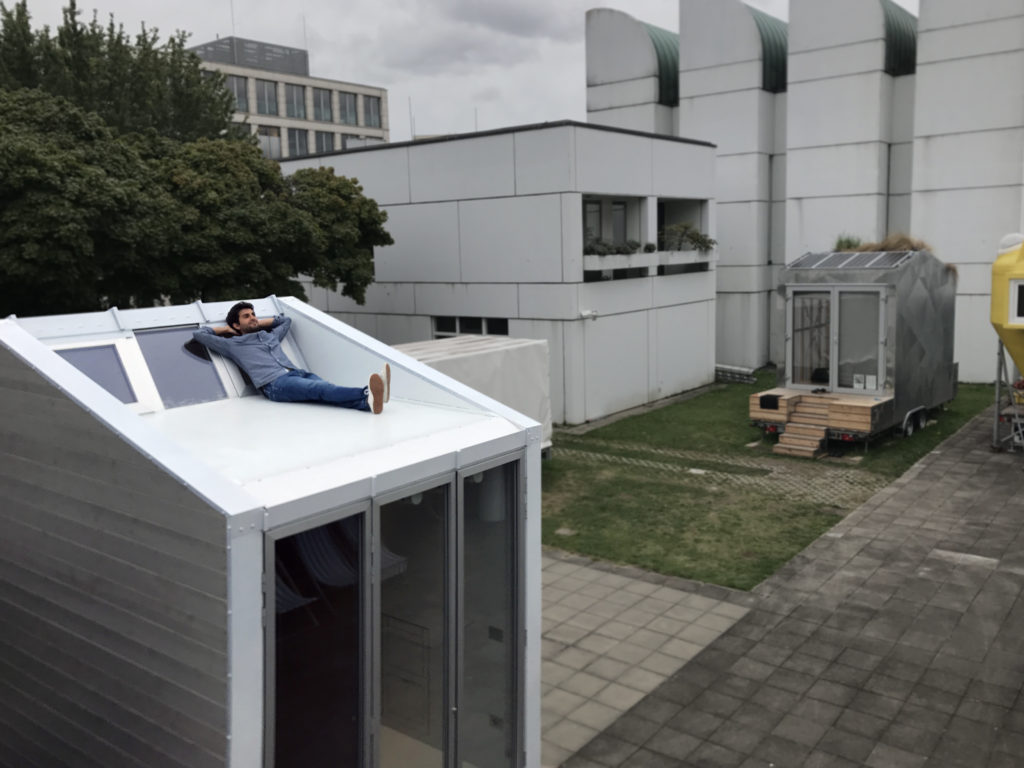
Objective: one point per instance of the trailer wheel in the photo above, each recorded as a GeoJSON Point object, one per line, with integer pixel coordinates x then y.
{"type": "Point", "coordinates": [922, 419]}
{"type": "Point", "coordinates": [908, 427]}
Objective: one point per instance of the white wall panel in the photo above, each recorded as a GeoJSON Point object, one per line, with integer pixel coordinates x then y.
{"type": "Point", "coordinates": [780, 119]}
{"type": "Point", "coordinates": [737, 76]}
{"type": "Point", "coordinates": [974, 341]}
{"type": "Point", "coordinates": [902, 116]}
{"type": "Point", "coordinates": [980, 39]}
{"type": "Point", "coordinates": [901, 168]}
{"type": "Point", "coordinates": [467, 299]}
{"type": "Point", "coordinates": [575, 367]}
{"type": "Point", "coordinates": [867, 56]}
{"type": "Point", "coordinates": [899, 214]}
{"type": "Point", "coordinates": [550, 331]}
{"type": "Point", "coordinates": [681, 169]}
{"type": "Point", "coordinates": [744, 279]}
{"type": "Point", "coordinates": [814, 223]}
{"type": "Point", "coordinates": [744, 233]}
{"type": "Point", "coordinates": [617, 48]}
{"type": "Point", "coordinates": [613, 163]}
{"type": "Point", "coordinates": [512, 239]}
{"type": "Point", "coordinates": [426, 245]}
{"type": "Point", "coordinates": [833, 23]}
{"type": "Point", "coordinates": [613, 297]}
{"type": "Point", "coordinates": [715, 33]}
{"type": "Point", "coordinates": [742, 329]}
{"type": "Point", "coordinates": [983, 93]}
{"type": "Point", "coordinates": [458, 170]}
{"type": "Point", "coordinates": [949, 13]}
{"type": "Point", "coordinates": [545, 161]}
{"type": "Point", "coordinates": [983, 159]}
{"type": "Point", "coordinates": [572, 238]}
{"type": "Point", "coordinates": [839, 110]}
{"type": "Point", "coordinates": [743, 178]}
{"type": "Point", "coordinates": [616, 363]}
{"type": "Point", "coordinates": [626, 93]}
{"type": "Point", "coordinates": [402, 329]}
{"type": "Point", "coordinates": [938, 218]}
{"type": "Point", "coordinates": [848, 169]}
{"type": "Point", "coordinates": [383, 173]}
{"type": "Point", "coordinates": [975, 278]}
{"type": "Point", "coordinates": [777, 234]}
{"type": "Point", "coordinates": [778, 177]}
{"type": "Point", "coordinates": [643, 117]}
{"type": "Point", "coordinates": [737, 122]}
{"type": "Point", "coordinates": [683, 349]}
{"type": "Point", "coordinates": [380, 297]}
{"type": "Point", "coordinates": [556, 301]}
{"type": "Point", "coordinates": [687, 288]}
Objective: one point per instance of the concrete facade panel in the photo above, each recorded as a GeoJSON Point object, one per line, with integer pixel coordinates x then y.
{"type": "Point", "coordinates": [572, 238]}
{"type": "Point", "coordinates": [949, 99]}
{"type": "Point", "coordinates": [545, 161]}
{"type": "Point", "coordinates": [777, 234]}
{"type": "Point", "coordinates": [903, 94]}
{"type": "Point", "coordinates": [616, 353]}
{"type": "Point", "coordinates": [813, 224]}
{"type": "Point", "coordinates": [690, 288]}
{"type": "Point", "coordinates": [833, 23]}
{"type": "Point", "coordinates": [977, 39]}
{"type": "Point", "coordinates": [715, 33]}
{"type": "Point", "coordinates": [574, 368]}
{"type": "Point", "coordinates": [613, 163]}
{"type": "Point", "coordinates": [615, 297]}
{"type": "Point", "coordinates": [439, 171]}
{"type": "Point", "coordinates": [741, 333]}
{"type": "Point", "coordinates": [983, 159]}
{"type": "Point", "coordinates": [737, 122]}
{"type": "Point", "coordinates": [950, 13]}
{"type": "Point", "coordinates": [515, 239]}
{"type": "Point", "coordinates": [426, 245]}
{"type": "Point", "coordinates": [384, 174]}
{"type": "Point", "coordinates": [901, 168]}
{"type": "Point", "coordinates": [681, 170]}
{"type": "Point", "coordinates": [467, 299]}
{"type": "Point", "coordinates": [652, 118]}
{"type": "Point", "coordinates": [839, 110]}
{"type": "Point", "coordinates": [779, 115]}
{"type": "Point", "coordinates": [549, 301]}
{"type": "Point", "coordinates": [380, 297]}
{"type": "Point", "coordinates": [625, 93]}
{"type": "Point", "coordinates": [867, 56]}
{"type": "Point", "coordinates": [849, 169]}
{"type": "Point", "coordinates": [551, 332]}
{"type": "Point", "coordinates": [747, 228]}
{"type": "Point", "coordinates": [744, 279]}
{"type": "Point", "coordinates": [401, 329]}
{"type": "Point", "coordinates": [939, 219]}
{"type": "Point", "coordinates": [974, 340]}
{"type": "Point", "coordinates": [682, 352]}
{"type": "Point", "coordinates": [743, 178]}
{"type": "Point", "coordinates": [899, 214]}
{"type": "Point", "coordinates": [974, 278]}
{"type": "Point", "coordinates": [617, 48]}
{"type": "Point", "coordinates": [738, 76]}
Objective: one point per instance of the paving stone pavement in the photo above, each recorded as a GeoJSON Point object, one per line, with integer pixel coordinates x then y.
{"type": "Point", "coordinates": [894, 640]}
{"type": "Point", "coordinates": [818, 481]}
{"type": "Point", "coordinates": [611, 635]}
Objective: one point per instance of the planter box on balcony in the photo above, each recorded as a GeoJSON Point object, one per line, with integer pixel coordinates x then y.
{"type": "Point", "coordinates": [638, 260]}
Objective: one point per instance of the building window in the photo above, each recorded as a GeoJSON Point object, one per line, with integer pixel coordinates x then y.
{"type": "Point", "coordinates": [618, 223]}
{"type": "Point", "coordinates": [454, 326]}
{"type": "Point", "coordinates": [322, 105]}
{"type": "Point", "coordinates": [371, 104]}
{"type": "Point", "coordinates": [324, 141]}
{"type": "Point", "coordinates": [269, 137]}
{"type": "Point", "coordinates": [298, 142]}
{"type": "Point", "coordinates": [295, 101]}
{"type": "Point", "coordinates": [591, 221]}
{"type": "Point", "coordinates": [347, 108]}
{"type": "Point", "coordinates": [239, 88]}
{"type": "Point", "coordinates": [266, 97]}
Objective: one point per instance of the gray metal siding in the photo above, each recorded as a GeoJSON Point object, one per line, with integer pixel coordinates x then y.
{"type": "Point", "coordinates": [113, 610]}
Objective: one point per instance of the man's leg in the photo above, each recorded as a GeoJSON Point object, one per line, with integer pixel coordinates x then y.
{"type": "Point", "coordinates": [303, 386]}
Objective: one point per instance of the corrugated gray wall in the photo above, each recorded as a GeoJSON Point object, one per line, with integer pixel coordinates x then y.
{"type": "Point", "coordinates": [113, 612]}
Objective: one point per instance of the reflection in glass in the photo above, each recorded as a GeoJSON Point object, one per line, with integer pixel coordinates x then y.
{"type": "Point", "coordinates": [318, 655]}
{"type": "Point", "coordinates": [413, 638]}
{"type": "Point", "coordinates": [102, 364]}
{"type": "Point", "coordinates": [488, 706]}
{"type": "Point", "coordinates": [858, 340]}
{"type": "Point", "coordinates": [811, 323]}
{"type": "Point", "coordinates": [182, 377]}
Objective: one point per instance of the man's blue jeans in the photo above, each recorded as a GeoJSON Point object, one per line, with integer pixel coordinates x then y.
{"type": "Point", "coordinates": [302, 386]}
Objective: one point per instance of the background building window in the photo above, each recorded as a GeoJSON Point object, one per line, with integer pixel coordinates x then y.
{"type": "Point", "coordinates": [298, 142]}
{"type": "Point", "coordinates": [591, 220]}
{"type": "Point", "coordinates": [324, 141]}
{"type": "Point", "coordinates": [454, 326]}
{"type": "Point", "coordinates": [239, 88]}
{"type": "Point", "coordinates": [266, 97]}
{"type": "Point", "coordinates": [618, 223]}
{"type": "Point", "coordinates": [347, 108]}
{"type": "Point", "coordinates": [322, 105]}
{"type": "Point", "coordinates": [295, 101]}
{"type": "Point", "coordinates": [372, 106]}
{"type": "Point", "coordinates": [269, 137]}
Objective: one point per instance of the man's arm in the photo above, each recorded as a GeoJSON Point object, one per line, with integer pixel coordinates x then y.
{"type": "Point", "coordinates": [211, 338]}
{"type": "Point", "coordinates": [280, 325]}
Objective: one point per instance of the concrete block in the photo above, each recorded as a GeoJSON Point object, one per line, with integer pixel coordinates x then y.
{"type": "Point", "coordinates": [552, 333]}
{"type": "Point", "coordinates": [902, 115]}
{"type": "Point", "coordinates": [901, 168]}
{"type": "Point", "coordinates": [687, 288]}
{"type": "Point", "coordinates": [867, 56]}
{"type": "Point", "coordinates": [682, 170]}
{"type": "Point", "coordinates": [681, 359]}
{"type": "Point", "coordinates": [756, 279]}
{"type": "Point", "coordinates": [743, 233]}
{"type": "Point", "coordinates": [613, 297]}
{"type": "Point", "coordinates": [383, 173]}
{"type": "Point", "coordinates": [976, 39]}
{"type": "Point", "coordinates": [615, 351]}
{"type": "Point", "coordinates": [974, 340]}
{"type": "Point", "coordinates": [613, 163]}
{"type": "Point", "coordinates": [935, 14]}
{"type": "Point", "coordinates": [742, 329]}
{"type": "Point", "coordinates": [625, 93]}
{"type": "Point", "coordinates": [738, 122]}
{"type": "Point", "coordinates": [399, 298]}
{"type": "Point", "coordinates": [554, 301]}
{"type": "Point", "coordinates": [737, 76]}
{"type": "Point", "coordinates": [938, 218]}
{"type": "Point", "coordinates": [839, 110]}
{"type": "Point", "coordinates": [813, 224]}
{"type": "Point", "coordinates": [743, 178]}
{"type": "Point", "coordinates": [817, 24]}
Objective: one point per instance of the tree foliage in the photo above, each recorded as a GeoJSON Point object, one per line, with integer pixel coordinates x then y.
{"type": "Point", "coordinates": [134, 85]}
{"type": "Point", "coordinates": [119, 184]}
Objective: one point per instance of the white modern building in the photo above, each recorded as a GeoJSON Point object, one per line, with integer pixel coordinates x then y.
{"type": "Point", "coordinates": [854, 119]}
{"type": "Point", "coordinates": [196, 577]}
{"type": "Point", "coordinates": [491, 235]}
{"type": "Point", "coordinates": [292, 113]}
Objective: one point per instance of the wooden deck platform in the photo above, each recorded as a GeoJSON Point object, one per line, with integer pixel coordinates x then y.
{"type": "Point", "coordinates": [804, 419]}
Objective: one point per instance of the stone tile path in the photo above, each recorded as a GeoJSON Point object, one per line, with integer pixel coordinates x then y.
{"type": "Point", "coordinates": [895, 640]}
{"type": "Point", "coordinates": [612, 635]}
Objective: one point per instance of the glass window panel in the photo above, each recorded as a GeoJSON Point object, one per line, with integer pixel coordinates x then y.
{"type": "Point", "coordinates": [322, 105]}
{"type": "Point", "coordinates": [266, 97]}
{"type": "Point", "coordinates": [487, 713]}
{"type": "Point", "coordinates": [269, 137]}
{"type": "Point", "coordinates": [239, 89]}
{"type": "Point", "coordinates": [180, 367]}
{"type": "Point", "coordinates": [618, 223]}
{"type": "Point", "coordinates": [497, 326]}
{"type": "Point", "coordinates": [591, 220]}
{"type": "Point", "coordinates": [295, 101]}
{"type": "Point", "coordinates": [413, 606]}
{"type": "Point", "coordinates": [103, 365]}
{"type": "Point", "coordinates": [324, 141]}
{"type": "Point", "coordinates": [347, 108]}
{"type": "Point", "coordinates": [811, 323]}
{"type": "Point", "coordinates": [318, 654]}
{"type": "Point", "coordinates": [471, 325]}
{"type": "Point", "coordinates": [371, 105]}
{"type": "Point", "coordinates": [858, 340]}
{"type": "Point", "coordinates": [298, 139]}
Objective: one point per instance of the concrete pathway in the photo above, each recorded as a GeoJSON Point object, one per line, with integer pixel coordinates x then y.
{"type": "Point", "coordinates": [894, 640]}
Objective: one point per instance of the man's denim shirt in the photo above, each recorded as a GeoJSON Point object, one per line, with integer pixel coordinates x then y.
{"type": "Point", "coordinates": [258, 354]}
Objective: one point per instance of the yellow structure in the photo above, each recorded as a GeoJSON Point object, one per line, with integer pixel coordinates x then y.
{"type": "Point", "coordinates": [1008, 296]}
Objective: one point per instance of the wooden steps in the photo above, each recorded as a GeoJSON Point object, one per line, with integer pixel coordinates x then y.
{"type": "Point", "coordinates": [801, 439]}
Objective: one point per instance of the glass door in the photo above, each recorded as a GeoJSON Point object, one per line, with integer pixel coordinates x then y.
{"type": "Point", "coordinates": [810, 338]}
{"type": "Point", "coordinates": [859, 355]}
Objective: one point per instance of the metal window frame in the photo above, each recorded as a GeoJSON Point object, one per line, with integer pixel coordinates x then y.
{"type": "Point", "coordinates": [300, 111]}
{"type": "Point", "coordinates": [264, 90]}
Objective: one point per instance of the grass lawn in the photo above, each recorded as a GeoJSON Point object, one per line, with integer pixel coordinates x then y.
{"type": "Point", "coordinates": [671, 490]}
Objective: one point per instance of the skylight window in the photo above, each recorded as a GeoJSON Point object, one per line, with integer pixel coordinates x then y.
{"type": "Point", "coordinates": [181, 368]}
{"type": "Point", "coordinates": [103, 365]}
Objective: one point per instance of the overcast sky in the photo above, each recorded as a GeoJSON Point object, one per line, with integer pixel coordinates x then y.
{"type": "Point", "coordinates": [464, 64]}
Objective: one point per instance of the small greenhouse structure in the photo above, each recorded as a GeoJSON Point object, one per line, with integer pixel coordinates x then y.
{"type": "Point", "coordinates": [194, 576]}
{"type": "Point", "coordinates": [867, 341]}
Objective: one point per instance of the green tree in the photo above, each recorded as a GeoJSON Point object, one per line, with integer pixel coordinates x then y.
{"type": "Point", "coordinates": [133, 85]}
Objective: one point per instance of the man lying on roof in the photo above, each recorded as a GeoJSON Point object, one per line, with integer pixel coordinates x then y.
{"type": "Point", "coordinates": [254, 345]}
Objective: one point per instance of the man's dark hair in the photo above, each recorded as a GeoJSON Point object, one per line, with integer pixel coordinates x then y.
{"type": "Point", "coordinates": [235, 311]}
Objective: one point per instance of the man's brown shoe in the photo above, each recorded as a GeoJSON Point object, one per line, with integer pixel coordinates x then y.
{"type": "Point", "coordinates": [376, 397]}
